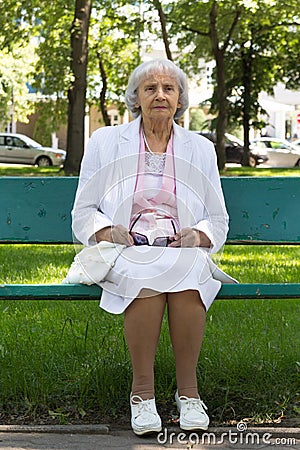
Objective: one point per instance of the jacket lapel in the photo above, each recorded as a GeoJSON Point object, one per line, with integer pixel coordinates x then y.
{"type": "Point", "coordinates": [183, 155]}
{"type": "Point", "coordinates": [127, 166]}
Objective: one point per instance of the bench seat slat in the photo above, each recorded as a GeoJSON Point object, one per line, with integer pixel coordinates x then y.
{"type": "Point", "coordinates": [260, 290]}
{"type": "Point", "coordinates": [84, 292]}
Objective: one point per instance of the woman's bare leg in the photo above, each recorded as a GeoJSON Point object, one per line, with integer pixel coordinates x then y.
{"type": "Point", "coordinates": [187, 317]}
{"type": "Point", "coordinates": [142, 326]}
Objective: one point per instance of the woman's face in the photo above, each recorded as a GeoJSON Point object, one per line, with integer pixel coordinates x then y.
{"type": "Point", "coordinates": [158, 96]}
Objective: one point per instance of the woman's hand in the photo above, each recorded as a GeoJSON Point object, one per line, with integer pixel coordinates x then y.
{"type": "Point", "coordinates": [117, 234]}
{"type": "Point", "coordinates": [190, 237]}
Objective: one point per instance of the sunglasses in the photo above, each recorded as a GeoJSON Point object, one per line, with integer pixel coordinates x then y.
{"type": "Point", "coordinates": [141, 239]}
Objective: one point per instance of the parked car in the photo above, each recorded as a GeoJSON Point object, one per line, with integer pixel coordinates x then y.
{"type": "Point", "coordinates": [296, 142]}
{"type": "Point", "coordinates": [280, 153]}
{"type": "Point", "coordinates": [234, 149]}
{"type": "Point", "coordinates": [20, 149]}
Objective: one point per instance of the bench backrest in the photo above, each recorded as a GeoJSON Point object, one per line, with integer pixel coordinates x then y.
{"type": "Point", "coordinates": [37, 209]}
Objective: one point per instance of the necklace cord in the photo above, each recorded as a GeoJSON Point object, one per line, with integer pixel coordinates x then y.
{"type": "Point", "coordinates": [148, 146]}
{"type": "Point", "coordinates": [146, 142]}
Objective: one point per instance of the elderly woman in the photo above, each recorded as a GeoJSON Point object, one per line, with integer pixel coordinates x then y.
{"type": "Point", "coordinates": [154, 187]}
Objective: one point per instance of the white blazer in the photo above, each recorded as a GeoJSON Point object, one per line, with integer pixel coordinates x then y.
{"type": "Point", "coordinates": [108, 178]}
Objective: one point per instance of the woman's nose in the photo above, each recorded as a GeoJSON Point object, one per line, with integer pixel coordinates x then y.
{"type": "Point", "coordinates": [160, 95]}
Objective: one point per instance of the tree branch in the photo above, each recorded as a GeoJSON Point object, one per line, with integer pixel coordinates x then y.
{"type": "Point", "coordinates": [233, 25]}
{"type": "Point", "coordinates": [193, 30]}
{"type": "Point", "coordinates": [162, 19]}
{"type": "Point", "coordinates": [103, 91]}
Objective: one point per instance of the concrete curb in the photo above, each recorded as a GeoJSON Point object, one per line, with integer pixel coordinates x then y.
{"type": "Point", "coordinates": [106, 429]}
{"type": "Point", "coordinates": [57, 429]}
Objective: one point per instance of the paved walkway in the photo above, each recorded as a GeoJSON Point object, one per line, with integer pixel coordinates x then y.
{"type": "Point", "coordinates": [101, 437]}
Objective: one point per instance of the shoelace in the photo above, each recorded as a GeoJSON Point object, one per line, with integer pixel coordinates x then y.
{"type": "Point", "coordinates": [143, 405]}
{"type": "Point", "coordinates": [194, 403]}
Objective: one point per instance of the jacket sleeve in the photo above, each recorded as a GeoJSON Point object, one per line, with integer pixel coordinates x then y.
{"type": "Point", "coordinates": [214, 222]}
{"type": "Point", "coordinates": [87, 217]}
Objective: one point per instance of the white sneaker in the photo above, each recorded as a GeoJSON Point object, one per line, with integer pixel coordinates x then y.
{"type": "Point", "coordinates": [192, 414]}
{"type": "Point", "coordinates": [144, 417]}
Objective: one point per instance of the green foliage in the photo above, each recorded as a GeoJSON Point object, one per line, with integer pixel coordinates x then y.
{"type": "Point", "coordinates": [264, 46]}
{"type": "Point", "coordinates": [52, 71]}
{"type": "Point", "coordinates": [52, 75]}
{"type": "Point", "coordinates": [289, 64]}
{"type": "Point", "coordinates": [51, 115]}
{"type": "Point", "coordinates": [16, 22]}
{"type": "Point", "coordinates": [256, 60]}
{"type": "Point", "coordinates": [43, 62]}
{"type": "Point", "coordinates": [198, 120]}
{"type": "Point", "coordinates": [15, 73]}
{"type": "Point", "coordinates": [113, 40]}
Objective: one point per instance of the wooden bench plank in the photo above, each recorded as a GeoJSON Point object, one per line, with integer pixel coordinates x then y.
{"type": "Point", "coordinates": [263, 209]}
{"type": "Point", "coordinates": [49, 291]}
{"type": "Point", "coordinates": [83, 292]}
{"type": "Point", "coordinates": [259, 290]}
{"type": "Point", "coordinates": [38, 209]}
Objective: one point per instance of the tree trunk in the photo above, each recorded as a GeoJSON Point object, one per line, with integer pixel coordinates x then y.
{"type": "Point", "coordinates": [247, 78]}
{"type": "Point", "coordinates": [221, 87]}
{"type": "Point", "coordinates": [103, 106]}
{"type": "Point", "coordinates": [222, 114]}
{"type": "Point", "coordinates": [162, 19]}
{"type": "Point", "coordinates": [77, 90]}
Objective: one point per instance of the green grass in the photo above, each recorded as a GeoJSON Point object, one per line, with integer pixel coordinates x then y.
{"type": "Point", "coordinates": [261, 172]}
{"type": "Point", "coordinates": [261, 263]}
{"type": "Point", "coordinates": [32, 171]}
{"type": "Point", "coordinates": [64, 361]}
{"type": "Point", "coordinates": [12, 170]}
{"type": "Point", "coordinates": [22, 263]}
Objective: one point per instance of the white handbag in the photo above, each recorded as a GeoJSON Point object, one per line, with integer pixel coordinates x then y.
{"type": "Point", "coordinates": [91, 265]}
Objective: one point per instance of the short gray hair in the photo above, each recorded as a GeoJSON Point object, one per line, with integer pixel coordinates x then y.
{"type": "Point", "coordinates": [149, 67]}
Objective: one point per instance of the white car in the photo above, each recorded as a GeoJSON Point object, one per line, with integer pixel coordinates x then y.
{"type": "Point", "coordinates": [280, 153]}
{"type": "Point", "coordinates": [20, 149]}
{"type": "Point", "coordinates": [296, 142]}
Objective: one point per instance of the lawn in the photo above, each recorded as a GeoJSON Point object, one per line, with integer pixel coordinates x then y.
{"type": "Point", "coordinates": [261, 172]}
{"type": "Point", "coordinates": [32, 171]}
{"type": "Point", "coordinates": [64, 361]}
{"type": "Point", "coordinates": [15, 170]}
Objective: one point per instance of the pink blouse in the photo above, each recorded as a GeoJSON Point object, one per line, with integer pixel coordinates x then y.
{"type": "Point", "coordinates": [155, 194]}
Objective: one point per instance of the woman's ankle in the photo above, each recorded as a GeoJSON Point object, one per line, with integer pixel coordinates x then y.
{"type": "Point", "coordinates": [144, 395]}
{"type": "Point", "coordinates": [190, 392]}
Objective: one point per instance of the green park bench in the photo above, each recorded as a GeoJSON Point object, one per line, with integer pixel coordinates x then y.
{"type": "Point", "coordinates": [263, 211]}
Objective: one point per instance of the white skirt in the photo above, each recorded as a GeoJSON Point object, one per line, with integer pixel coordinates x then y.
{"type": "Point", "coordinates": [142, 271]}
